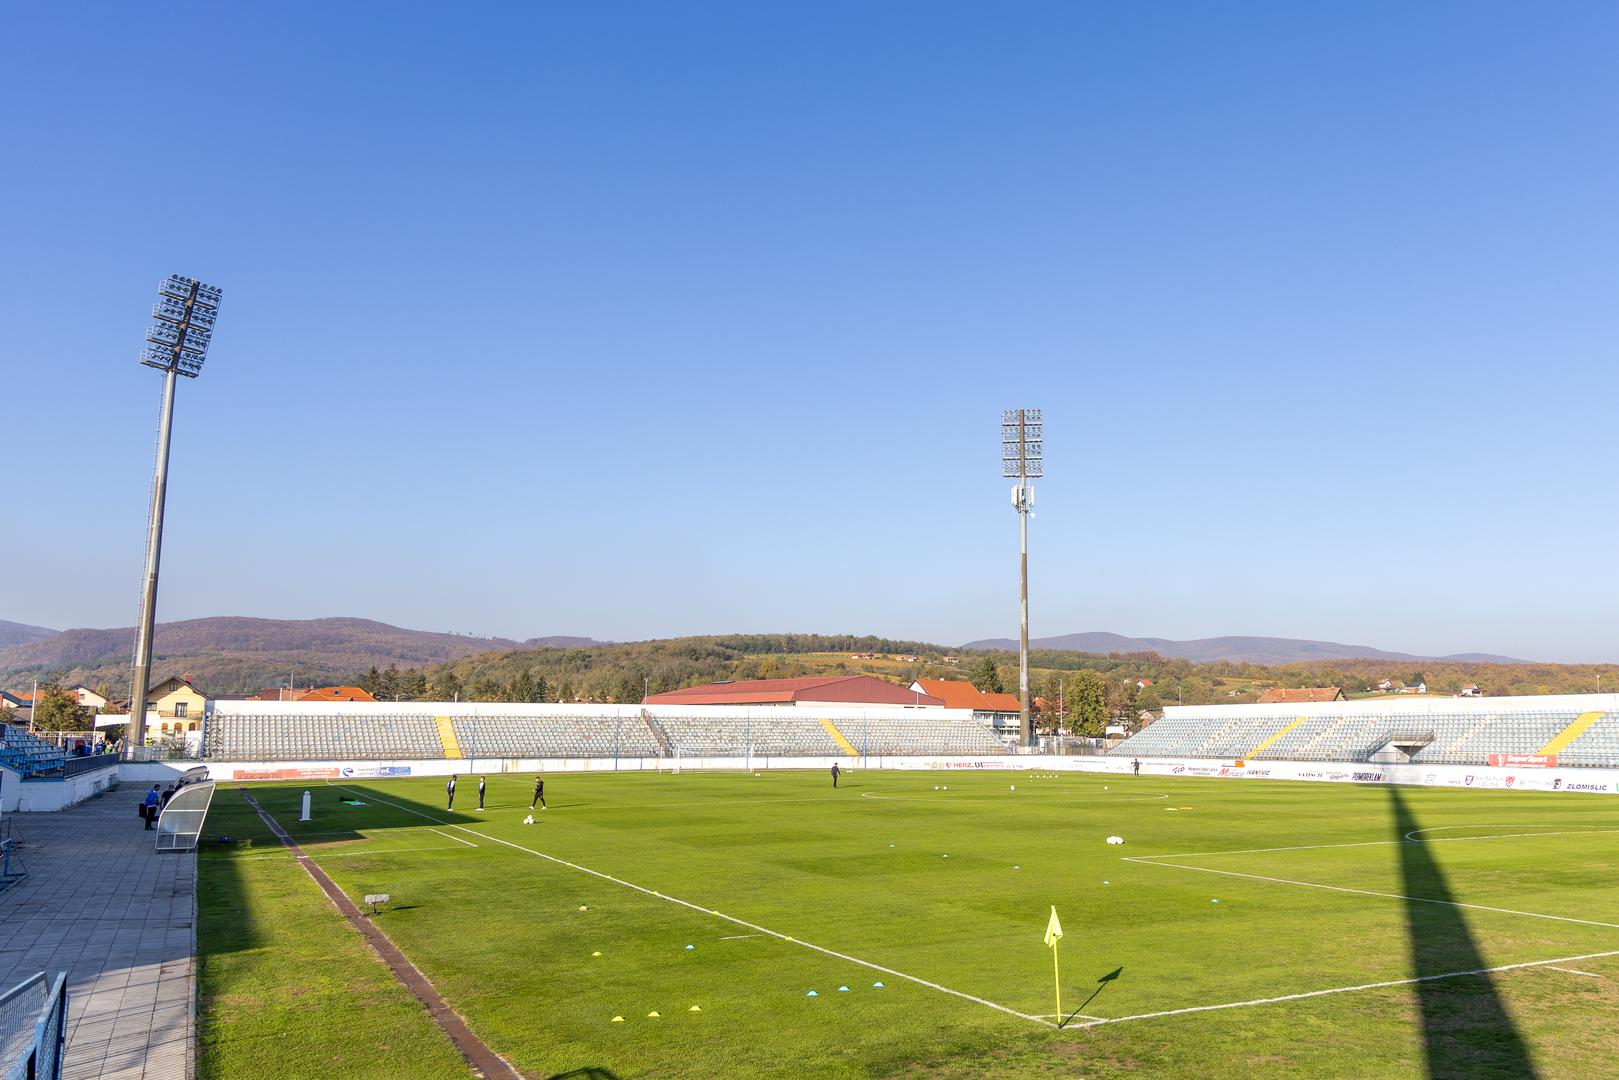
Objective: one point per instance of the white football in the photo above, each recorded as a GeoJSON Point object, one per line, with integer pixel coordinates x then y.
{"type": "Point", "coordinates": [1115, 839]}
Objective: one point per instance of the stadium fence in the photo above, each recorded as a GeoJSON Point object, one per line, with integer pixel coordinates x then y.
{"type": "Point", "coordinates": [33, 1028]}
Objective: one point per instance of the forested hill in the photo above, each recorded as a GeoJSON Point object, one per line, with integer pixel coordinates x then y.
{"type": "Point", "coordinates": [623, 672]}
{"type": "Point", "coordinates": [16, 633]}
{"type": "Point", "coordinates": [234, 654]}
{"type": "Point", "coordinates": [1246, 650]}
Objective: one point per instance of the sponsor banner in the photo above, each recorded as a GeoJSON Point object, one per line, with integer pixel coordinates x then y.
{"type": "Point", "coordinates": [1588, 786]}
{"type": "Point", "coordinates": [1523, 761]}
{"type": "Point", "coordinates": [995, 764]}
{"type": "Point", "coordinates": [287, 774]}
{"type": "Point", "coordinates": [375, 770]}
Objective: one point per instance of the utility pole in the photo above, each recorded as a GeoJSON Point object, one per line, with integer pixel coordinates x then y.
{"type": "Point", "coordinates": [1022, 458]}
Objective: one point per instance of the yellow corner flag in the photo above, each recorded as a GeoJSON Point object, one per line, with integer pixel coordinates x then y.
{"type": "Point", "coordinates": [1054, 935]}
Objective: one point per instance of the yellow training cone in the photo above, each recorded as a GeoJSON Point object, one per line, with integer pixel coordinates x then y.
{"type": "Point", "coordinates": [618, 1020]}
{"type": "Point", "coordinates": [653, 1013]}
{"type": "Point", "coordinates": [598, 952]}
{"type": "Point", "coordinates": [695, 1008]}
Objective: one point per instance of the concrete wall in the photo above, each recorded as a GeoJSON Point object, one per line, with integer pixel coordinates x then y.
{"type": "Point", "coordinates": [35, 796]}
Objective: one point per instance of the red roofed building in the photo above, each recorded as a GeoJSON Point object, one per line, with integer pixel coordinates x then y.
{"type": "Point", "coordinates": [849, 690]}
{"type": "Point", "coordinates": [1001, 711]}
{"type": "Point", "coordinates": [1304, 696]}
{"type": "Point", "coordinates": [336, 693]}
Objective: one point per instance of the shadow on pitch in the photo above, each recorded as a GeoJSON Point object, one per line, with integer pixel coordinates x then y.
{"type": "Point", "coordinates": [589, 1072]}
{"type": "Point", "coordinates": [1101, 984]}
{"type": "Point", "coordinates": [1466, 1030]}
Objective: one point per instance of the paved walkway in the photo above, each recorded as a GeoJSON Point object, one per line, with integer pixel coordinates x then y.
{"type": "Point", "coordinates": [120, 919]}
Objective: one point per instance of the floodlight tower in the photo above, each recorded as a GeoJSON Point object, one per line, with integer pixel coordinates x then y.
{"type": "Point", "coordinates": [1022, 457]}
{"type": "Point", "coordinates": [177, 344]}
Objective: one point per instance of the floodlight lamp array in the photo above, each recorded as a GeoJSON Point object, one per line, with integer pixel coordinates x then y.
{"type": "Point", "coordinates": [1022, 443]}
{"type": "Point", "coordinates": [185, 313]}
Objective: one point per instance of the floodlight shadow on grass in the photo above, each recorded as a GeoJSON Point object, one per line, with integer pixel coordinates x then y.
{"type": "Point", "coordinates": [1466, 1029]}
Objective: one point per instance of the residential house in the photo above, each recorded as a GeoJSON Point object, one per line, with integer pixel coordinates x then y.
{"type": "Point", "coordinates": [89, 699]}
{"type": "Point", "coordinates": [1472, 690]}
{"type": "Point", "coordinates": [337, 693]}
{"type": "Point", "coordinates": [1000, 711]}
{"type": "Point", "coordinates": [175, 706]}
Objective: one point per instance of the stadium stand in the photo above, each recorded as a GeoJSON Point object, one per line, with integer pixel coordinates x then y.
{"type": "Point", "coordinates": [32, 757]}
{"type": "Point", "coordinates": [789, 736]}
{"type": "Point", "coordinates": [287, 734]}
{"type": "Point", "coordinates": [320, 737]}
{"type": "Point", "coordinates": [553, 736]}
{"type": "Point", "coordinates": [885, 736]}
{"type": "Point", "coordinates": [1573, 734]}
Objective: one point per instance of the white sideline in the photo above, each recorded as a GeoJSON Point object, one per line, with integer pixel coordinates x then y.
{"type": "Point", "coordinates": [1573, 971]}
{"type": "Point", "coordinates": [1346, 989]}
{"type": "Point", "coordinates": [1149, 861]}
{"type": "Point", "coordinates": [718, 915]}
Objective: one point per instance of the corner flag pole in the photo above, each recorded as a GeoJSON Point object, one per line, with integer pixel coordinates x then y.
{"type": "Point", "coordinates": [1054, 935]}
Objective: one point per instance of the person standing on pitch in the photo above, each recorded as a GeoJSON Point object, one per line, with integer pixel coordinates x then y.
{"type": "Point", "coordinates": [1135, 766]}
{"type": "Point", "coordinates": [834, 774]}
{"type": "Point", "coordinates": [539, 793]}
{"type": "Point", "coordinates": [449, 791]}
{"type": "Point", "coordinates": [480, 793]}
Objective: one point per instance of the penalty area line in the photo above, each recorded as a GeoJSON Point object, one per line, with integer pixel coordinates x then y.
{"type": "Point", "coordinates": [1151, 861]}
{"type": "Point", "coordinates": [1349, 989]}
{"type": "Point", "coordinates": [730, 918]}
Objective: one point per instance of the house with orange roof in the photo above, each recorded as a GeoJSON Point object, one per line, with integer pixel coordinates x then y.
{"type": "Point", "coordinates": [336, 693]}
{"type": "Point", "coordinates": [1000, 711]}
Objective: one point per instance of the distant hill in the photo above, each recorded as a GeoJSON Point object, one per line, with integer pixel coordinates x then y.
{"type": "Point", "coordinates": [233, 655]}
{"type": "Point", "coordinates": [16, 633]}
{"type": "Point", "coordinates": [1239, 650]}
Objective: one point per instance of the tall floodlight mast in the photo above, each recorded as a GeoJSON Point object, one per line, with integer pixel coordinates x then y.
{"type": "Point", "coordinates": [177, 344]}
{"type": "Point", "coordinates": [1022, 457]}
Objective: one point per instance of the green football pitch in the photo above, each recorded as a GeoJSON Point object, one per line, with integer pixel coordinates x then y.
{"type": "Point", "coordinates": [1244, 927]}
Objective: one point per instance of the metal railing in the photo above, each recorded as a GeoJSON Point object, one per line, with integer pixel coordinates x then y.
{"type": "Point", "coordinates": [78, 766]}
{"type": "Point", "coordinates": [33, 1028]}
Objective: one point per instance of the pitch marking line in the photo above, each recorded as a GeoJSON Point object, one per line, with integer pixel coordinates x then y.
{"type": "Point", "coordinates": [728, 918]}
{"type": "Point", "coordinates": [1410, 838]}
{"type": "Point", "coordinates": [1346, 989]}
{"type": "Point", "coordinates": [1573, 971]}
{"type": "Point", "coordinates": [448, 836]}
{"type": "Point", "coordinates": [1369, 892]}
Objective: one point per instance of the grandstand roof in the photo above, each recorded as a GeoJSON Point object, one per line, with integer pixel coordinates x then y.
{"type": "Point", "coordinates": [1280, 696]}
{"type": "Point", "coordinates": [849, 689]}
{"type": "Point", "coordinates": [960, 694]}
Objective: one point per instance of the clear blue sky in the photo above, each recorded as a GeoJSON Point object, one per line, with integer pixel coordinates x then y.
{"type": "Point", "coordinates": [634, 320]}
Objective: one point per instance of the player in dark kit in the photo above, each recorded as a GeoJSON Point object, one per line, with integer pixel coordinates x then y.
{"type": "Point", "coordinates": [539, 793]}
{"type": "Point", "coordinates": [480, 793]}
{"type": "Point", "coordinates": [449, 792]}
{"type": "Point", "coordinates": [1135, 766]}
{"type": "Point", "coordinates": [834, 774]}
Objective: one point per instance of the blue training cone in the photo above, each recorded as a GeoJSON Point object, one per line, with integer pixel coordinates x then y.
{"type": "Point", "coordinates": [877, 985]}
{"type": "Point", "coordinates": [812, 994]}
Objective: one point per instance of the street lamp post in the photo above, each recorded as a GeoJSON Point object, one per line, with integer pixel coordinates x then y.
{"type": "Point", "coordinates": [1022, 458]}
{"type": "Point", "coordinates": [177, 344]}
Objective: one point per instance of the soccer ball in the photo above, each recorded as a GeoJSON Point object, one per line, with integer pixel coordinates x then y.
{"type": "Point", "coordinates": [1115, 839]}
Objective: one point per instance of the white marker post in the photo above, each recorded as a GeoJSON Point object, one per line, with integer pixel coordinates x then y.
{"type": "Point", "coordinates": [305, 815]}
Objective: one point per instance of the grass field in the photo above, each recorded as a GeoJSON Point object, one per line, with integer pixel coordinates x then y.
{"type": "Point", "coordinates": [788, 886]}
